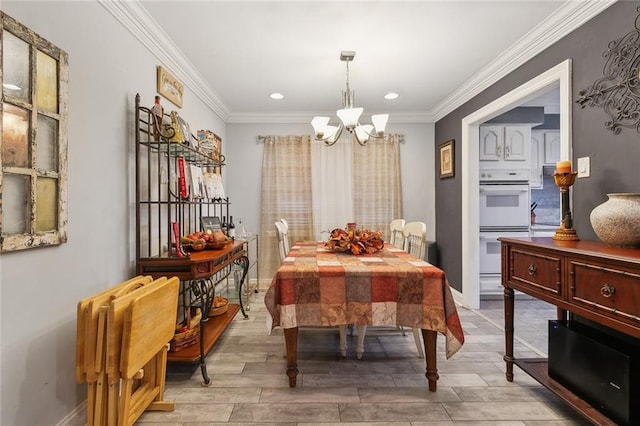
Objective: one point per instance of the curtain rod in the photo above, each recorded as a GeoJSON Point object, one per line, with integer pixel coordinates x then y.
{"type": "Point", "coordinates": [261, 138]}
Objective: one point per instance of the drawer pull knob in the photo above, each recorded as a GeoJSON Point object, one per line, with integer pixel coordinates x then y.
{"type": "Point", "coordinates": [607, 290]}
{"type": "Point", "coordinates": [532, 269]}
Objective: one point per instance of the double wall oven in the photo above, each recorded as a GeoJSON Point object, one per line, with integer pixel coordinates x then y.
{"type": "Point", "coordinates": [505, 211]}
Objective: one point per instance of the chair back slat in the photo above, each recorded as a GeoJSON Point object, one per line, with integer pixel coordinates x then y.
{"type": "Point", "coordinates": [397, 237]}
{"type": "Point", "coordinates": [415, 235]}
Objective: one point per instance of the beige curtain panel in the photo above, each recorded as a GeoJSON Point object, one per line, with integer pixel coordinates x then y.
{"type": "Point", "coordinates": [286, 193]}
{"type": "Point", "coordinates": [377, 194]}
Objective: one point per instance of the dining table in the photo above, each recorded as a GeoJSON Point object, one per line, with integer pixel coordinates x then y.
{"type": "Point", "coordinates": [317, 286]}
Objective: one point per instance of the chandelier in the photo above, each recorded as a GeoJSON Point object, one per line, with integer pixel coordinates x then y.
{"type": "Point", "coordinates": [349, 116]}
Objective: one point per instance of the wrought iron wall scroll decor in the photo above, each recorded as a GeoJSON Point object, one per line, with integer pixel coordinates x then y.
{"type": "Point", "coordinates": [618, 91]}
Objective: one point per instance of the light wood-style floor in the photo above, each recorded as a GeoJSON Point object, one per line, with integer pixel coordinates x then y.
{"type": "Point", "coordinates": [387, 387]}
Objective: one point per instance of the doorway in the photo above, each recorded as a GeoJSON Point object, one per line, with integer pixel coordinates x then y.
{"type": "Point", "coordinates": [558, 76]}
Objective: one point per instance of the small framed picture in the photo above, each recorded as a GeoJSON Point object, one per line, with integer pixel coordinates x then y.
{"type": "Point", "coordinates": [210, 223]}
{"type": "Point", "coordinates": [447, 159]}
{"type": "Point", "coordinates": [169, 86]}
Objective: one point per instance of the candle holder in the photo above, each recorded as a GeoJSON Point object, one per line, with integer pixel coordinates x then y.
{"type": "Point", "coordinates": [564, 181]}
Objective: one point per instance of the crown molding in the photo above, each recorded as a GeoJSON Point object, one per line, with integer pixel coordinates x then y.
{"type": "Point", "coordinates": [135, 18]}
{"type": "Point", "coordinates": [305, 117]}
{"type": "Point", "coordinates": [571, 15]}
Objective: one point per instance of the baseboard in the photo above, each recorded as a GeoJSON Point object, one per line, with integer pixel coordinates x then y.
{"type": "Point", "coordinates": [77, 417]}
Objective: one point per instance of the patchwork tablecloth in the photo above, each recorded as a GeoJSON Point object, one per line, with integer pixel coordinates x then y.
{"type": "Point", "coordinates": [317, 287]}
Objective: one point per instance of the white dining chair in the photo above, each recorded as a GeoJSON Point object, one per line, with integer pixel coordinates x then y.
{"type": "Point", "coordinates": [282, 230]}
{"type": "Point", "coordinates": [287, 244]}
{"type": "Point", "coordinates": [396, 237]}
{"type": "Point", "coordinates": [415, 238]}
{"type": "Point", "coordinates": [412, 240]}
{"type": "Point", "coordinates": [415, 234]}
{"type": "Point", "coordinates": [281, 235]}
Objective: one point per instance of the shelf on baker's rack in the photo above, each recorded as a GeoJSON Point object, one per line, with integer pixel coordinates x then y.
{"type": "Point", "coordinates": [178, 149]}
{"type": "Point", "coordinates": [213, 329]}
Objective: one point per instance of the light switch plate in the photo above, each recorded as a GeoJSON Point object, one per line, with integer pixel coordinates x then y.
{"type": "Point", "coordinates": [584, 167]}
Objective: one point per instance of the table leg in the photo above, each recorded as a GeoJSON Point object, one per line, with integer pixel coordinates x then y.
{"type": "Point", "coordinates": [342, 330]}
{"type": "Point", "coordinates": [291, 341]}
{"type": "Point", "coordinates": [430, 337]}
{"type": "Point", "coordinates": [508, 332]}
{"type": "Point", "coordinates": [362, 329]}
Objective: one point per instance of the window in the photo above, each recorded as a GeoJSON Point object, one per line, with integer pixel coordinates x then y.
{"type": "Point", "coordinates": [33, 144]}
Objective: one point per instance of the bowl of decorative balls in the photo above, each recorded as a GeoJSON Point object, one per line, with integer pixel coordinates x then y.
{"type": "Point", "coordinates": [200, 240]}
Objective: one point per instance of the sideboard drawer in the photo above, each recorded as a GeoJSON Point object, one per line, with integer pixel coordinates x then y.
{"type": "Point", "coordinates": [607, 290]}
{"type": "Point", "coordinates": [536, 271]}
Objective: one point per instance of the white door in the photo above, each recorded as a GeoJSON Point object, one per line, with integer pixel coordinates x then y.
{"type": "Point", "coordinates": [491, 142]}
{"type": "Point", "coordinates": [516, 143]}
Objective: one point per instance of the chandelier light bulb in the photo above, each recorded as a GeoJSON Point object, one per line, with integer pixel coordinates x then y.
{"type": "Point", "coordinates": [363, 131]}
{"type": "Point", "coordinates": [380, 122]}
{"type": "Point", "coordinates": [349, 116]}
{"type": "Point", "coordinates": [320, 124]}
{"type": "Point", "coordinates": [331, 134]}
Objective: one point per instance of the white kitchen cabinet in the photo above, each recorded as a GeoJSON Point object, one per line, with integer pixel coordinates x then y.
{"type": "Point", "coordinates": [491, 143]}
{"type": "Point", "coordinates": [516, 143]}
{"type": "Point", "coordinates": [551, 146]}
{"type": "Point", "coordinates": [501, 143]}
{"type": "Point", "coordinates": [537, 152]}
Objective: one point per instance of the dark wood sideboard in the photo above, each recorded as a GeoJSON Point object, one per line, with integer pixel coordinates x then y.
{"type": "Point", "coordinates": [586, 278]}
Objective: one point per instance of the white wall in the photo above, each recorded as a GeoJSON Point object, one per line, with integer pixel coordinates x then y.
{"type": "Point", "coordinates": [40, 288]}
{"type": "Point", "coordinates": [244, 158]}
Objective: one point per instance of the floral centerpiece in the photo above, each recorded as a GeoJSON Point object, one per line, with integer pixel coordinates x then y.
{"type": "Point", "coordinates": [355, 241]}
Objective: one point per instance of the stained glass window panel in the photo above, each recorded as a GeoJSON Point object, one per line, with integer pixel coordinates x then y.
{"type": "Point", "coordinates": [16, 204]}
{"type": "Point", "coordinates": [15, 67]}
{"type": "Point", "coordinates": [47, 158]}
{"type": "Point", "coordinates": [47, 204]}
{"type": "Point", "coordinates": [15, 136]}
{"type": "Point", "coordinates": [46, 82]}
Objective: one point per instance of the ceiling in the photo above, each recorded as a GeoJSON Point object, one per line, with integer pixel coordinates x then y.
{"type": "Point", "coordinates": [241, 51]}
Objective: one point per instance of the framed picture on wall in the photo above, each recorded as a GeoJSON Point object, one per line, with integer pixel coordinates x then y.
{"type": "Point", "coordinates": [169, 86]}
{"type": "Point", "coordinates": [447, 159]}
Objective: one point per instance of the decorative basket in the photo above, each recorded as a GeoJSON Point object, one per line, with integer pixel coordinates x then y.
{"type": "Point", "coordinates": [217, 246]}
{"type": "Point", "coordinates": [193, 247]}
{"type": "Point", "coordinates": [219, 305]}
{"type": "Point", "coordinates": [183, 340]}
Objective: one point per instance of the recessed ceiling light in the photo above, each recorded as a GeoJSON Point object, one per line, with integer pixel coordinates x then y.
{"type": "Point", "coordinates": [391, 95]}
{"type": "Point", "coordinates": [276, 95]}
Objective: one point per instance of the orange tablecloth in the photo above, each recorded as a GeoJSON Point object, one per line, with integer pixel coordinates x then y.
{"type": "Point", "coordinates": [314, 286]}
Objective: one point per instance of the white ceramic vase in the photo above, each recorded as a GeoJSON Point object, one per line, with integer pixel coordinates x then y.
{"type": "Point", "coordinates": [617, 221]}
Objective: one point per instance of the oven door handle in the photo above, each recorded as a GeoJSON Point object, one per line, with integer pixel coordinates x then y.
{"type": "Point", "coordinates": [504, 191]}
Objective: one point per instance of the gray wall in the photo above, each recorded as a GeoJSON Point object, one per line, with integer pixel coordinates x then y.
{"type": "Point", "coordinates": [39, 288]}
{"type": "Point", "coordinates": [614, 158]}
